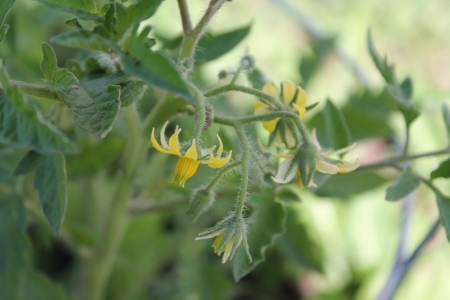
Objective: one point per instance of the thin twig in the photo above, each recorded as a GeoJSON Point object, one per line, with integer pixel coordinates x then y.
{"type": "Point", "coordinates": [185, 16]}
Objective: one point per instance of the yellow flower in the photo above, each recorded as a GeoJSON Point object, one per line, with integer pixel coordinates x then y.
{"type": "Point", "coordinates": [229, 234]}
{"type": "Point", "coordinates": [324, 163]}
{"type": "Point", "coordinates": [295, 99]}
{"type": "Point", "coordinates": [189, 160]}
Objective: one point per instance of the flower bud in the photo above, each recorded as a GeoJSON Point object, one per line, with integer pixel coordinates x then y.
{"type": "Point", "coordinates": [201, 201]}
{"type": "Point", "coordinates": [248, 62]}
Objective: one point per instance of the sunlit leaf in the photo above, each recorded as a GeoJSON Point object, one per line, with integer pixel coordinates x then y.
{"type": "Point", "coordinates": [266, 224]}
{"type": "Point", "coordinates": [407, 182]}
{"type": "Point", "coordinates": [443, 171]}
{"type": "Point", "coordinates": [24, 127]}
{"type": "Point", "coordinates": [50, 181]}
{"type": "Point", "coordinates": [84, 9]}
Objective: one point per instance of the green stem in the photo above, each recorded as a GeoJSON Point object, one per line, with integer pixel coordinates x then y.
{"type": "Point", "coordinates": [245, 160]}
{"type": "Point", "coordinates": [201, 113]}
{"type": "Point", "coordinates": [185, 16]}
{"type": "Point", "coordinates": [256, 159]}
{"type": "Point", "coordinates": [405, 147]}
{"type": "Point", "coordinates": [191, 39]}
{"type": "Point", "coordinates": [221, 173]}
{"type": "Point", "coordinates": [398, 159]}
{"type": "Point", "coordinates": [236, 74]}
{"type": "Point", "coordinates": [105, 252]}
{"type": "Point", "coordinates": [36, 90]}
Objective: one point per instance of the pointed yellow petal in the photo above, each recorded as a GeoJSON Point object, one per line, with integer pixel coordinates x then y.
{"type": "Point", "coordinates": [301, 110]}
{"type": "Point", "coordinates": [184, 170]}
{"type": "Point", "coordinates": [289, 89]}
{"type": "Point", "coordinates": [162, 136]}
{"type": "Point", "coordinates": [174, 143]}
{"type": "Point", "coordinates": [270, 89]}
{"type": "Point", "coordinates": [346, 166]}
{"type": "Point", "coordinates": [219, 162]}
{"type": "Point", "coordinates": [324, 167]}
{"type": "Point", "coordinates": [290, 139]}
{"type": "Point", "coordinates": [204, 152]}
{"type": "Point", "coordinates": [156, 145]}
{"type": "Point", "coordinates": [302, 98]}
{"type": "Point", "coordinates": [219, 152]}
{"type": "Point", "coordinates": [261, 108]}
{"type": "Point", "coordinates": [270, 125]}
{"type": "Point", "coordinates": [346, 149]}
{"type": "Point", "coordinates": [228, 248]}
{"type": "Point", "coordinates": [192, 151]}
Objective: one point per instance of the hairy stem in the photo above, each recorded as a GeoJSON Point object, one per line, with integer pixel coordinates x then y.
{"type": "Point", "coordinates": [36, 90]}
{"type": "Point", "coordinates": [221, 173]}
{"type": "Point", "coordinates": [245, 160]}
{"type": "Point", "coordinates": [201, 113]}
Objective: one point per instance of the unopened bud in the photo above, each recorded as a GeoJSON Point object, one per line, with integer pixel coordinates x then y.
{"type": "Point", "coordinates": [248, 62]}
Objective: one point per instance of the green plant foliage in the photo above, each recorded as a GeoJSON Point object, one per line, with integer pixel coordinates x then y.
{"type": "Point", "coordinates": [3, 30]}
{"type": "Point", "coordinates": [321, 48]}
{"type": "Point", "coordinates": [83, 38]}
{"type": "Point", "coordinates": [27, 164]}
{"type": "Point", "coordinates": [444, 211]}
{"type": "Point", "coordinates": [446, 116]}
{"type": "Point", "coordinates": [405, 106]}
{"type": "Point", "coordinates": [287, 194]}
{"type": "Point", "coordinates": [386, 70]}
{"type": "Point", "coordinates": [127, 16]}
{"type": "Point", "coordinates": [34, 285]}
{"type": "Point", "coordinates": [50, 181]}
{"type": "Point", "coordinates": [212, 46]}
{"type": "Point", "coordinates": [24, 126]}
{"type": "Point", "coordinates": [257, 78]}
{"type": "Point", "coordinates": [84, 9]}
{"type": "Point", "coordinates": [267, 224]}
{"type": "Point", "coordinates": [336, 129]}
{"type": "Point", "coordinates": [443, 171]}
{"type": "Point", "coordinates": [407, 182]}
{"type": "Point", "coordinates": [297, 243]}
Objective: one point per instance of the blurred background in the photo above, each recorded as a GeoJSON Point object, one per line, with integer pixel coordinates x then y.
{"type": "Point", "coordinates": [348, 239]}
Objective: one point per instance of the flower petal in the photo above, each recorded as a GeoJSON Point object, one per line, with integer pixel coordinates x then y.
{"type": "Point", "coordinates": [220, 151]}
{"type": "Point", "coordinates": [192, 151]}
{"type": "Point", "coordinates": [347, 166]}
{"type": "Point", "coordinates": [157, 146]}
{"type": "Point", "coordinates": [302, 98]}
{"type": "Point", "coordinates": [283, 176]}
{"type": "Point", "coordinates": [228, 247]}
{"type": "Point", "coordinates": [324, 167]}
{"type": "Point", "coordinates": [343, 150]}
{"type": "Point", "coordinates": [261, 108]}
{"type": "Point", "coordinates": [162, 136]}
{"type": "Point", "coordinates": [219, 162]}
{"type": "Point", "coordinates": [174, 143]}
{"type": "Point", "coordinates": [289, 90]}
{"type": "Point", "coordinates": [301, 110]}
{"type": "Point", "coordinates": [314, 139]}
{"type": "Point", "coordinates": [270, 89]}
{"type": "Point", "coordinates": [270, 125]}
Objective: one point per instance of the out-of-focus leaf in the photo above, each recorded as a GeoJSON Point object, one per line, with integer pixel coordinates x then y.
{"type": "Point", "coordinates": [5, 5]}
{"type": "Point", "coordinates": [444, 210]}
{"type": "Point", "coordinates": [257, 78]}
{"type": "Point", "coordinates": [405, 106]}
{"type": "Point", "coordinates": [407, 182]}
{"type": "Point", "coordinates": [126, 16]}
{"type": "Point", "coordinates": [36, 286]}
{"type": "Point", "coordinates": [30, 161]}
{"type": "Point", "coordinates": [296, 241]}
{"type": "Point", "coordinates": [443, 171]}
{"type": "Point", "coordinates": [73, 23]}
{"type": "Point", "coordinates": [386, 70]}
{"type": "Point", "coordinates": [3, 30]}
{"type": "Point", "coordinates": [83, 38]}
{"type": "Point", "coordinates": [212, 46]}
{"type": "Point", "coordinates": [59, 80]}
{"type": "Point", "coordinates": [13, 250]}
{"type": "Point", "coordinates": [336, 129]}
{"type": "Point", "coordinates": [94, 106]}
{"type": "Point", "coordinates": [94, 156]}
{"type": "Point", "coordinates": [407, 88]}
{"type": "Point", "coordinates": [266, 224]}
{"type": "Point", "coordinates": [50, 181]}
{"type": "Point", "coordinates": [288, 194]}
{"type": "Point", "coordinates": [446, 116]}
{"type": "Point", "coordinates": [152, 67]}
{"type": "Point", "coordinates": [345, 185]}
{"type": "Point", "coordinates": [84, 9]}
{"type": "Point", "coordinates": [309, 65]}
{"type": "Point", "coordinates": [24, 127]}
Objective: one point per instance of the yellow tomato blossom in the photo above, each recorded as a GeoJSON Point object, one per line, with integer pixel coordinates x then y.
{"type": "Point", "coordinates": [295, 99]}
{"type": "Point", "coordinates": [324, 163]}
{"type": "Point", "coordinates": [190, 159]}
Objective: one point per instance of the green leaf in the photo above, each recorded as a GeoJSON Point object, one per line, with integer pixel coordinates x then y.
{"type": "Point", "coordinates": [345, 185]}
{"type": "Point", "coordinates": [405, 106]}
{"type": "Point", "coordinates": [257, 78]}
{"type": "Point", "coordinates": [59, 80]}
{"type": "Point", "coordinates": [446, 116]}
{"type": "Point", "coordinates": [3, 30]}
{"type": "Point", "coordinates": [287, 194]}
{"type": "Point", "coordinates": [152, 67]}
{"type": "Point", "coordinates": [30, 161]}
{"type": "Point", "coordinates": [24, 127]}
{"type": "Point", "coordinates": [50, 181]}
{"type": "Point", "coordinates": [13, 249]}
{"type": "Point", "coordinates": [36, 286]}
{"type": "Point", "coordinates": [84, 9]}
{"type": "Point", "coordinates": [296, 242]}
{"type": "Point", "coordinates": [126, 16]}
{"type": "Point", "coordinates": [443, 171]}
{"type": "Point", "coordinates": [131, 91]}
{"type": "Point", "coordinates": [94, 106]}
{"type": "Point", "coordinates": [213, 46]}
{"type": "Point", "coordinates": [266, 224]}
{"type": "Point", "coordinates": [310, 64]}
{"type": "Point", "coordinates": [336, 129]}
{"type": "Point", "coordinates": [5, 5]}
{"type": "Point", "coordinates": [407, 182]}
{"type": "Point", "coordinates": [407, 88]}
{"type": "Point", "coordinates": [83, 38]}
{"type": "Point", "coordinates": [444, 211]}
{"type": "Point", "coordinates": [73, 23]}
{"type": "Point", "coordinates": [386, 70]}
